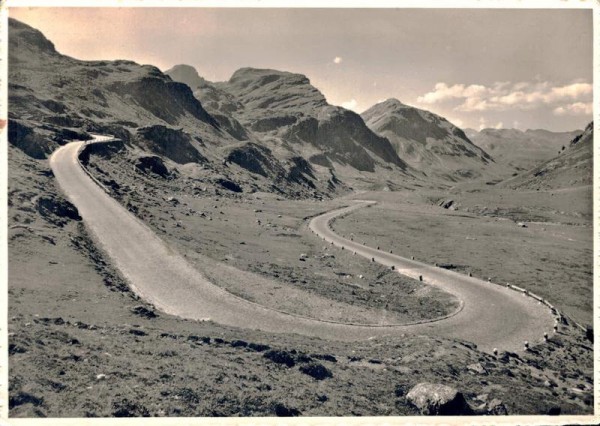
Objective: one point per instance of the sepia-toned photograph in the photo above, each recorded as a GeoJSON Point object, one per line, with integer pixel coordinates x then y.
{"type": "Point", "coordinates": [273, 212]}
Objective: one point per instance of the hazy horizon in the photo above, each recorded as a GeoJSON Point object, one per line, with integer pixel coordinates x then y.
{"type": "Point", "coordinates": [479, 68]}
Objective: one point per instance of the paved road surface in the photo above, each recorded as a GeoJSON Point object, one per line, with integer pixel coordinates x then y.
{"type": "Point", "coordinates": [492, 316]}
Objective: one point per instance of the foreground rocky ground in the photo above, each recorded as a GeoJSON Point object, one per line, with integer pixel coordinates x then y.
{"type": "Point", "coordinates": [81, 344]}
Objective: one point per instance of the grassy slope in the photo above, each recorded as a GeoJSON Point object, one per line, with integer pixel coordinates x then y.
{"type": "Point", "coordinates": [551, 257]}
{"type": "Point", "coordinates": [71, 319]}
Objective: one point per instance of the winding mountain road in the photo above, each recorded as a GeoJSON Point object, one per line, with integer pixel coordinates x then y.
{"type": "Point", "coordinates": [492, 316]}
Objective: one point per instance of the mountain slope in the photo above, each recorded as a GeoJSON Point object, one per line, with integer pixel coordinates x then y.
{"type": "Point", "coordinates": [286, 113]}
{"type": "Point", "coordinates": [54, 98]}
{"type": "Point", "coordinates": [522, 150]}
{"type": "Point", "coordinates": [571, 168]}
{"type": "Point", "coordinates": [427, 142]}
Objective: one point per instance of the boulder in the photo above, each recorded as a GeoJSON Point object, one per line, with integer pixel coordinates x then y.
{"type": "Point", "coordinates": [152, 164]}
{"type": "Point", "coordinates": [316, 371]}
{"type": "Point", "coordinates": [57, 210]}
{"type": "Point", "coordinates": [496, 408]}
{"type": "Point", "coordinates": [476, 368]}
{"type": "Point", "coordinates": [438, 399]}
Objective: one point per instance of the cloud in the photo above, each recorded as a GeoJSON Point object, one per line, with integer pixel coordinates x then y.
{"type": "Point", "coordinates": [577, 108]}
{"type": "Point", "coordinates": [503, 96]}
{"type": "Point", "coordinates": [456, 121]}
{"type": "Point", "coordinates": [337, 60]}
{"type": "Point", "coordinates": [351, 104]}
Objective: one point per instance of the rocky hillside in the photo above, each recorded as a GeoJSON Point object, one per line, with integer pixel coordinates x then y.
{"type": "Point", "coordinates": [286, 113]}
{"type": "Point", "coordinates": [522, 150]}
{"type": "Point", "coordinates": [571, 168]}
{"type": "Point", "coordinates": [55, 98]}
{"type": "Point", "coordinates": [428, 142]}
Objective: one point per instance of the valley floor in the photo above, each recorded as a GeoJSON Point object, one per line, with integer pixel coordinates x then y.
{"type": "Point", "coordinates": [81, 344]}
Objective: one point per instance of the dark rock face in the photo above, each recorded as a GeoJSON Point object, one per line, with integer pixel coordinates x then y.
{"type": "Point", "coordinates": [57, 210]}
{"type": "Point", "coordinates": [28, 141]}
{"type": "Point", "coordinates": [229, 185]}
{"type": "Point", "coordinates": [176, 145]}
{"type": "Point", "coordinates": [166, 100]}
{"type": "Point", "coordinates": [152, 164]}
{"type": "Point", "coordinates": [231, 126]}
{"type": "Point", "coordinates": [254, 158]}
{"type": "Point", "coordinates": [347, 125]}
{"type": "Point", "coordinates": [437, 399]}
{"type": "Point", "coordinates": [301, 172]}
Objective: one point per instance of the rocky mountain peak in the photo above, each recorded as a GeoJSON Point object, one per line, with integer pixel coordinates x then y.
{"type": "Point", "coordinates": [25, 37]}
{"type": "Point", "coordinates": [186, 74]}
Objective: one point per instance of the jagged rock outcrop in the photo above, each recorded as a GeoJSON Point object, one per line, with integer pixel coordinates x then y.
{"type": "Point", "coordinates": [174, 144]}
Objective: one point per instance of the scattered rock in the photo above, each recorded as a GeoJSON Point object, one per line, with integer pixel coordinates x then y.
{"type": "Point", "coordinates": [438, 399]}
{"type": "Point", "coordinates": [477, 368]}
{"type": "Point", "coordinates": [281, 410]}
{"type": "Point", "coordinates": [22, 398]}
{"type": "Point", "coordinates": [258, 347]}
{"type": "Point", "coordinates": [496, 408]}
{"type": "Point", "coordinates": [144, 312]}
{"type": "Point", "coordinates": [152, 164]}
{"type": "Point", "coordinates": [325, 357]}
{"type": "Point", "coordinates": [281, 357]}
{"type": "Point", "coordinates": [446, 204]}
{"type": "Point", "coordinates": [15, 349]}
{"type": "Point", "coordinates": [126, 408]}
{"type": "Point", "coordinates": [316, 371]}
{"type": "Point", "coordinates": [230, 185]}
{"type": "Point", "coordinates": [56, 209]}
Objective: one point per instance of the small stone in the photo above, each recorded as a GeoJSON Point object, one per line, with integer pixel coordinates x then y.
{"type": "Point", "coordinates": [477, 368]}
{"type": "Point", "coordinates": [497, 408]}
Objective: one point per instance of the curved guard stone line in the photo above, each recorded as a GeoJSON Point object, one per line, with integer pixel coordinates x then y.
{"type": "Point", "coordinates": [490, 317]}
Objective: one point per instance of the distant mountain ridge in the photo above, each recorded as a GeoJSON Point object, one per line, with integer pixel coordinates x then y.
{"type": "Point", "coordinates": [284, 107]}
{"type": "Point", "coordinates": [428, 142]}
{"type": "Point", "coordinates": [264, 129]}
{"type": "Point", "coordinates": [522, 150]}
{"type": "Point", "coordinates": [572, 167]}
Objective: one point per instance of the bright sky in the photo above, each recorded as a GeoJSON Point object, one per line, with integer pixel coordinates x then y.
{"type": "Point", "coordinates": [476, 67]}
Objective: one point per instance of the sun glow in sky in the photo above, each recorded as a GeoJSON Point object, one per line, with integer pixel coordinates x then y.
{"type": "Point", "coordinates": [477, 67]}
